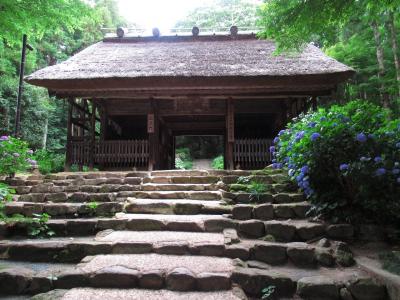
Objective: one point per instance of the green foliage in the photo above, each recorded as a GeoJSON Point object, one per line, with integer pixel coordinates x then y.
{"type": "Point", "coordinates": [391, 261]}
{"type": "Point", "coordinates": [221, 14]}
{"type": "Point", "coordinates": [347, 161]}
{"type": "Point", "coordinates": [49, 162]}
{"type": "Point", "coordinates": [56, 29]}
{"type": "Point", "coordinates": [15, 156]}
{"type": "Point", "coordinates": [93, 205]}
{"type": "Point", "coordinates": [6, 193]}
{"type": "Point", "coordinates": [37, 226]}
{"type": "Point", "coordinates": [344, 29]}
{"type": "Point", "coordinates": [268, 292]}
{"type": "Point", "coordinates": [218, 163]}
{"type": "Point", "coordinates": [183, 159]}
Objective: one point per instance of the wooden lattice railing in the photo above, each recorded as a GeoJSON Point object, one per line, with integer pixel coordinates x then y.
{"type": "Point", "coordinates": [252, 153]}
{"type": "Point", "coordinates": [111, 153]}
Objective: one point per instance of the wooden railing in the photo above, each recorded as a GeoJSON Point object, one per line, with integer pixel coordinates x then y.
{"type": "Point", "coordinates": [252, 153]}
{"type": "Point", "coordinates": [111, 153]}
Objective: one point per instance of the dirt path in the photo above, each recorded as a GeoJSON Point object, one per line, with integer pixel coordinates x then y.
{"type": "Point", "coordinates": [202, 164]}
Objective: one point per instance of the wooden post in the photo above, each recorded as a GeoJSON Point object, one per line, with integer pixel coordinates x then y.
{"type": "Point", "coordinates": [92, 136]}
{"type": "Point", "coordinates": [152, 130]}
{"type": "Point", "coordinates": [68, 154]}
{"type": "Point", "coordinates": [230, 134]}
{"type": "Point", "coordinates": [314, 103]}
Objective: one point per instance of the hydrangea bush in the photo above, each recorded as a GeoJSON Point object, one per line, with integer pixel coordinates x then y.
{"type": "Point", "coordinates": [15, 156]}
{"type": "Point", "coordinates": [346, 159]}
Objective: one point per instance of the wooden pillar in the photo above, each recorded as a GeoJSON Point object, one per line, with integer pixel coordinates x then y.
{"type": "Point", "coordinates": [103, 123]}
{"type": "Point", "coordinates": [153, 132]}
{"type": "Point", "coordinates": [68, 154]}
{"type": "Point", "coordinates": [92, 136]}
{"type": "Point", "coordinates": [314, 103]}
{"type": "Point", "coordinates": [230, 134]}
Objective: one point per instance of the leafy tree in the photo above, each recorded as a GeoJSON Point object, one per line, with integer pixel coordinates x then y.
{"type": "Point", "coordinates": [361, 33]}
{"type": "Point", "coordinates": [56, 29]}
{"type": "Point", "coordinates": [221, 14]}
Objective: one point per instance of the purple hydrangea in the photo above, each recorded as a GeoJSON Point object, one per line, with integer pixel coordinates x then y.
{"type": "Point", "coordinates": [315, 136]}
{"type": "Point", "coordinates": [299, 135]}
{"type": "Point", "coordinates": [272, 149]}
{"type": "Point", "coordinates": [16, 154]}
{"type": "Point", "coordinates": [29, 151]}
{"type": "Point", "coordinates": [4, 138]}
{"type": "Point", "coordinates": [380, 172]}
{"type": "Point", "coordinates": [304, 170]}
{"type": "Point", "coordinates": [361, 137]}
{"type": "Point", "coordinates": [343, 167]}
{"type": "Point", "coordinates": [31, 161]}
{"type": "Point", "coordinates": [378, 159]}
{"type": "Point", "coordinates": [277, 166]}
{"type": "Point", "coordinates": [282, 132]}
{"type": "Point", "coordinates": [276, 140]}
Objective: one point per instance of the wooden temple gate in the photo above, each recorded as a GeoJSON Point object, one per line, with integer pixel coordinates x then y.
{"type": "Point", "coordinates": [101, 132]}
{"type": "Point", "coordinates": [130, 96]}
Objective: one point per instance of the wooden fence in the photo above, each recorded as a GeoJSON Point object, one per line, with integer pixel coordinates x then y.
{"type": "Point", "coordinates": [252, 153]}
{"type": "Point", "coordinates": [111, 153]}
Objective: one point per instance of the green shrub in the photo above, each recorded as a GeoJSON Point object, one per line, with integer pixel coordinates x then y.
{"type": "Point", "coordinates": [49, 162]}
{"type": "Point", "coordinates": [15, 156]}
{"type": "Point", "coordinates": [346, 159]}
{"type": "Point", "coordinates": [183, 159]}
{"type": "Point", "coordinates": [218, 163]}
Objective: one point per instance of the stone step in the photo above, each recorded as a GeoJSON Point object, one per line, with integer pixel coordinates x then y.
{"type": "Point", "coordinates": [193, 195]}
{"type": "Point", "coordinates": [175, 206]}
{"type": "Point", "coordinates": [140, 294]}
{"type": "Point", "coordinates": [270, 211]}
{"type": "Point", "coordinates": [276, 198]}
{"type": "Point", "coordinates": [226, 244]}
{"type": "Point", "coordinates": [115, 242]}
{"type": "Point", "coordinates": [178, 187]}
{"type": "Point", "coordinates": [189, 273]}
{"type": "Point", "coordinates": [182, 179]}
{"type": "Point", "coordinates": [122, 221]}
{"type": "Point", "coordinates": [63, 209]}
{"type": "Point", "coordinates": [76, 197]}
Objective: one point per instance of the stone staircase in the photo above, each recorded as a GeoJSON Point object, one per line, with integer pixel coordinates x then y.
{"type": "Point", "coordinates": [175, 234]}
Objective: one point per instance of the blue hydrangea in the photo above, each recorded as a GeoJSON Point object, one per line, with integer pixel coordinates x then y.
{"type": "Point", "coordinates": [312, 124]}
{"type": "Point", "coordinates": [371, 136]}
{"type": "Point", "coordinates": [282, 132]}
{"type": "Point", "coordinates": [277, 166]}
{"type": "Point", "coordinates": [396, 171]}
{"type": "Point", "coordinates": [398, 180]}
{"type": "Point", "coordinates": [315, 136]}
{"type": "Point", "coordinates": [276, 140]}
{"type": "Point", "coordinates": [304, 169]}
{"type": "Point", "coordinates": [343, 167]}
{"type": "Point", "coordinates": [398, 145]}
{"type": "Point", "coordinates": [380, 172]}
{"type": "Point", "coordinates": [323, 119]}
{"type": "Point", "coordinates": [378, 159]}
{"type": "Point", "coordinates": [299, 177]}
{"type": "Point", "coordinates": [299, 135]}
{"type": "Point", "coordinates": [291, 172]}
{"type": "Point", "coordinates": [361, 137]}
{"type": "Point", "coordinates": [272, 149]}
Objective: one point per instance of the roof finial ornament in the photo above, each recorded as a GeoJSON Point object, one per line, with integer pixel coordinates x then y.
{"type": "Point", "coordinates": [156, 32]}
{"type": "Point", "coordinates": [121, 31]}
{"type": "Point", "coordinates": [195, 31]}
{"type": "Point", "coordinates": [234, 30]}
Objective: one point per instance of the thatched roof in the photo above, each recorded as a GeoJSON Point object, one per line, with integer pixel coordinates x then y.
{"type": "Point", "coordinates": [243, 56]}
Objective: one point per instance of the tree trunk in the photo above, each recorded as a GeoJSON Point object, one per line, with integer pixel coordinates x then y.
{"type": "Point", "coordinates": [393, 35]}
{"type": "Point", "coordinates": [381, 65]}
